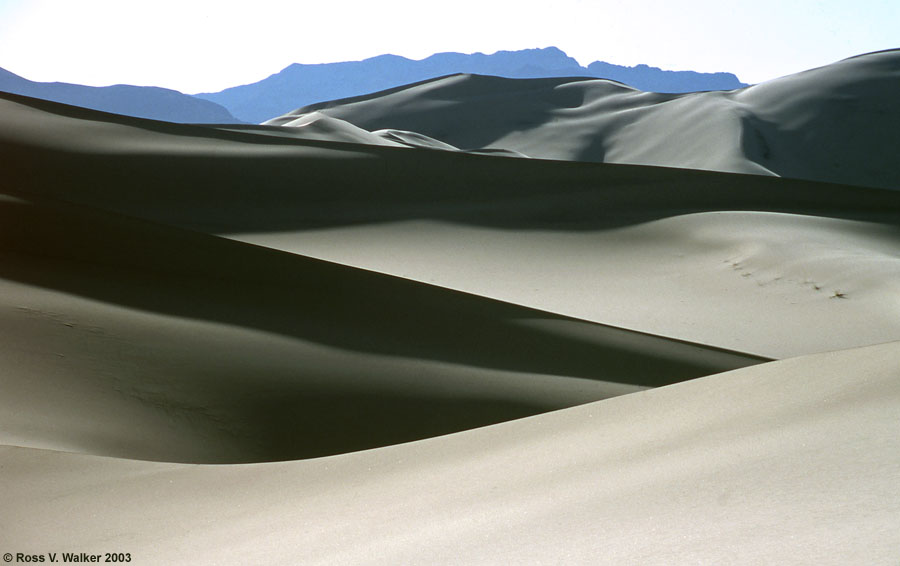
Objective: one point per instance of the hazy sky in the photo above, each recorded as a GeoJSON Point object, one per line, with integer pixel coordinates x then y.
{"type": "Point", "coordinates": [197, 46]}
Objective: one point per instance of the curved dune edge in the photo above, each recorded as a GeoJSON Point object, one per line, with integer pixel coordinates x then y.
{"type": "Point", "coordinates": [793, 461]}
{"type": "Point", "coordinates": [749, 281]}
{"type": "Point", "coordinates": [128, 338]}
{"type": "Point", "coordinates": [471, 212]}
{"type": "Point", "coordinates": [762, 129]}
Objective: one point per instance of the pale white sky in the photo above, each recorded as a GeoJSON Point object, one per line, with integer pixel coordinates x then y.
{"type": "Point", "coordinates": [196, 46]}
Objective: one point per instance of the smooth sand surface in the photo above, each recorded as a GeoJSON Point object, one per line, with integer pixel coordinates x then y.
{"type": "Point", "coordinates": [334, 343]}
{"type": "Point", "coordinates": [760, 282]}
{"type": "Point", "coordinates": [837, 123]}
{"type": "Point", "coordinates": [226, 352]}
{"type": "Point", "coordinates": [794, 462]}
{"type": "Point", "coordinates": [650, 249]}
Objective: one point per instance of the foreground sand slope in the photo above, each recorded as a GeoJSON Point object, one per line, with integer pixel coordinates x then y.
{"type": "Point", "coordinates": [612, 244]}
{"type": "Point", "coordinates": [837, 123]}
{"type": "Point", "coordinates": [792, 462]}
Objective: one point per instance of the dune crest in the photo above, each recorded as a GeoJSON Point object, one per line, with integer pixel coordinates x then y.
{"type": "Point", "coordinates": [616, 236]}
{"type": "Point", "coordinates": [234, 353]}
{"type": "Point", "coordinates": [819, 124]}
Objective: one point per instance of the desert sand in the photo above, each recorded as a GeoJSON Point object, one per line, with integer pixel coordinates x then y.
{"type": "Point", "coordinates": [337, 340]}
{"type": "Point", "coordinates": [837, 123]}
{"type": "Point", "coordinates": [793, 462]}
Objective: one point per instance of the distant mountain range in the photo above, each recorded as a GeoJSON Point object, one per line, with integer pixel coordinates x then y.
{"type": "Point", "coordinates": [300, 85]}
{"type": "Point", "coordinates": [138, 101]}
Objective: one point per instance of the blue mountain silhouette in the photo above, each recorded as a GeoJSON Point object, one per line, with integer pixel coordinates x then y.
{"type": "Point", "coordinates": [300, 85]}
{"type": "Point", "coordinates": [139, 101]}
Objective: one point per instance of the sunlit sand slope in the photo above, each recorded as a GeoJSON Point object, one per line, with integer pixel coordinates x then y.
{"type": "Point", "coordinates": [793, 462]}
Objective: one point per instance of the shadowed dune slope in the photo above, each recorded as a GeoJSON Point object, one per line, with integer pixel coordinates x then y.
{"type": "Point", "coordinates": [133, 339]}
{"type": "Point", "coordinates": [676, 242]}
{"type": "Point", "coordinates": [221, 180]}
{"type": "Point", "coordinates": [837, 123]}
{"type": "Point", "coordinates": [776, 284]}
{"type": "Point", "coordinates": [791, 462]}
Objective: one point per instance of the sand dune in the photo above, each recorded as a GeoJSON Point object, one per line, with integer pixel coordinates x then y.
{"type": "Point", "coordinates": [793, 462]}
{"type": "Point", "coordinates": [398, 351]}
{"type": "Point", "coordinates": [749, 281]}
{"type": "Point", "coordinates": [594, 239]}
{"type": "Point", "coordinates": [227, 352]}
{"type": "Point", "coordinates": [838, 123]}
{"type": "Point", "coordinates": [318, 126]}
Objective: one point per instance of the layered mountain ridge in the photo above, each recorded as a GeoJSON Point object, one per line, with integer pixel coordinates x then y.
{"type": "Point", "coordinates": [299, 85]}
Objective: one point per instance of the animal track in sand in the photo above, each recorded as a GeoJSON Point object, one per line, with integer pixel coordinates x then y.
{"type": "Point", "coordinates": [812, 284]}
{"type": "Point", "coordinates": [745, 272]}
